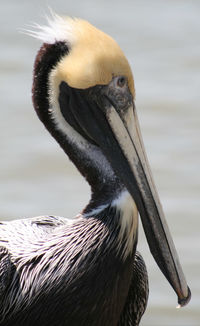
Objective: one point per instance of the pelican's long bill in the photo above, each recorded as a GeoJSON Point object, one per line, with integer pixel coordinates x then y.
{"type": "Point", "coordinates": [107, 116]}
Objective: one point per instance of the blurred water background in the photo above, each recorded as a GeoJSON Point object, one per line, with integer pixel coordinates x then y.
{"type": "Point", "coordinates": [162, 42]}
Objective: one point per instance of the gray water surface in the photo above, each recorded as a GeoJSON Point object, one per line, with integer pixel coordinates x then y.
{"type": "Point", "coordinates": [162, 42]}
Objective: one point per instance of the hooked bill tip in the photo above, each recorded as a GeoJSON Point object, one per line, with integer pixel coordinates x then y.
{"type": "Point", "coordinates": [184, 301]}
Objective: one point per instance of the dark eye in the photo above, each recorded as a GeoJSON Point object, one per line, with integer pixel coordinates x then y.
{"type": "Point", "coordinates": [121, 81]}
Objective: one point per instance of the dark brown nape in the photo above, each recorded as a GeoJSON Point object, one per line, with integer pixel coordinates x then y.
{"type": "Point", "coordinates": [47, 58]}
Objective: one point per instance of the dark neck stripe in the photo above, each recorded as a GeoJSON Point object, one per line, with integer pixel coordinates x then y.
{"type": "Point", "coordinates": [47, 58]}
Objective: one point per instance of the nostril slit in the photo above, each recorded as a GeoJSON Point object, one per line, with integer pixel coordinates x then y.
{"type": "Point", "coordinates": [121, 81]}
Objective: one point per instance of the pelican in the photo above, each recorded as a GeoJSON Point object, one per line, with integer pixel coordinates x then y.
{"type": "Point", "coordinates": [86, 271]}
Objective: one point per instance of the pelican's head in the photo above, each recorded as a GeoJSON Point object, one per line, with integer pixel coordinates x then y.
{"type": "Point", "coordinates": [83, 91]}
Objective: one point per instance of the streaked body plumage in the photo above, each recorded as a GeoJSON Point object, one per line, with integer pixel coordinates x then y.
{"type": "Point", "coordinates": [50, 258]}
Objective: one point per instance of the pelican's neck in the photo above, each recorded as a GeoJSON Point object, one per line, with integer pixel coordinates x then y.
{"type": "Point", "coordinates": [87, 157]}
{"type": "Point", "coordinates": [121, 217]}
{"type": "Point", "coordinates": [108, 193]}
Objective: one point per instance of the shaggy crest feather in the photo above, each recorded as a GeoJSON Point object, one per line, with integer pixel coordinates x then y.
{"type": "Point", "coordinates": [58, 29]}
